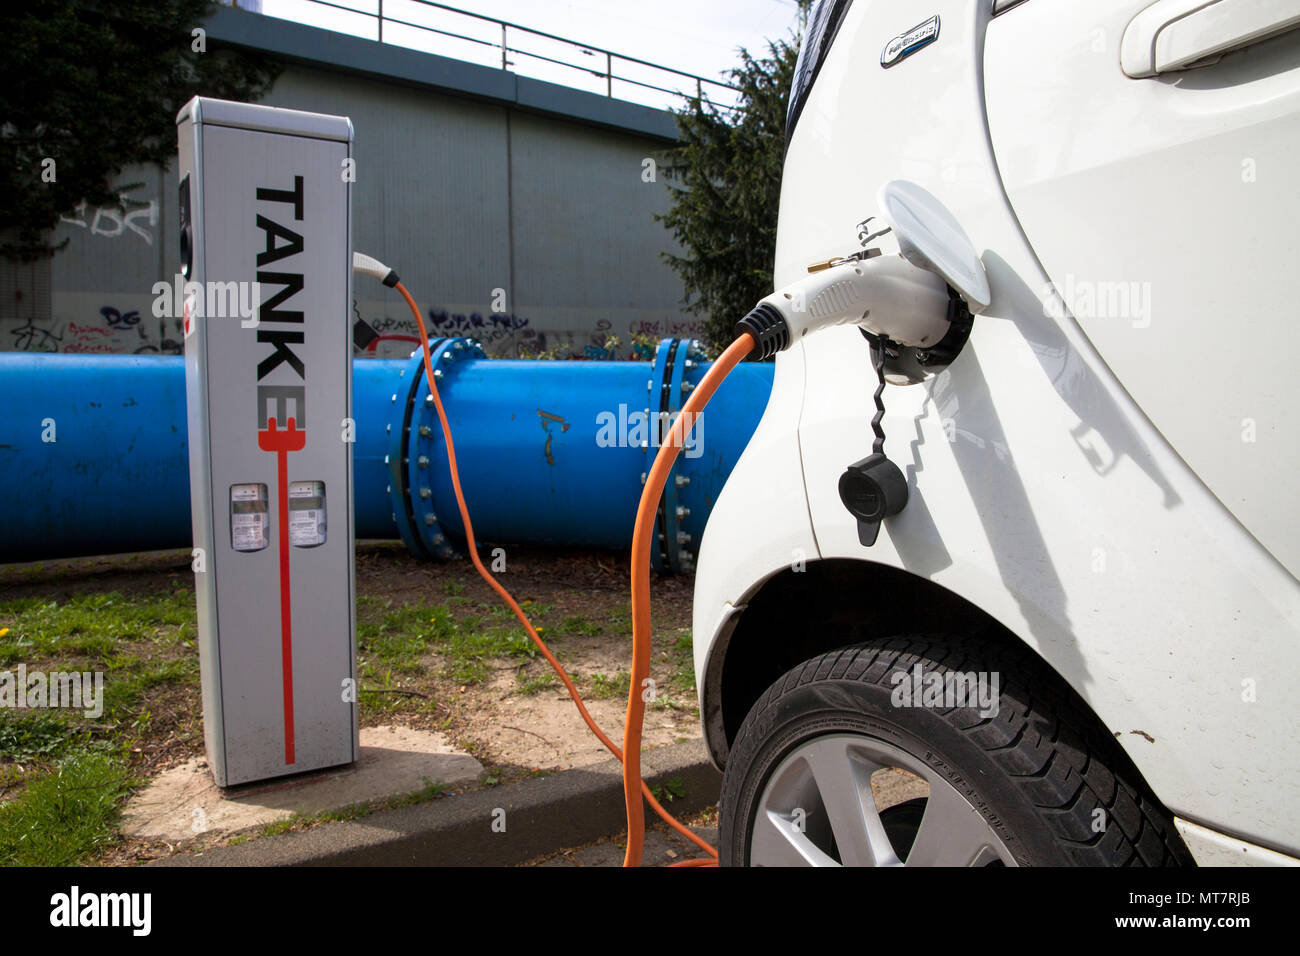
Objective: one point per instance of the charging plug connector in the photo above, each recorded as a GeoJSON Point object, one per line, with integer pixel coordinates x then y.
{"type": "Point", "coordinates": [886, 295]}
{"type": "Point", "coordinates": [368, 266]}
{"type": "Point", "coordinates": [903, 298]}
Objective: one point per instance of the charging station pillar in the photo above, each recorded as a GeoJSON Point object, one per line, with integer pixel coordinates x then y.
{"type": "Point", "coordinates": [266, 261]}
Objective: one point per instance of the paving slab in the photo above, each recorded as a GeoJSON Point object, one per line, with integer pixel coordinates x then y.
{"type": "Point", "coordinates": [183, 802]}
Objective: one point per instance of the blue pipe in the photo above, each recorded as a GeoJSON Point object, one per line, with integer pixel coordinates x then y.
{"type": "Point", "coordinates": [94, 455]}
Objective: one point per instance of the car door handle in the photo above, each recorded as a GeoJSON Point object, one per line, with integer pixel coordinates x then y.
{"type": "Point", "coordinates": [1174, 34]}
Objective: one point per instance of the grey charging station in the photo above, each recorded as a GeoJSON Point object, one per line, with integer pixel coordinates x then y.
{"type": "Point", "coordinates": [266, 213]}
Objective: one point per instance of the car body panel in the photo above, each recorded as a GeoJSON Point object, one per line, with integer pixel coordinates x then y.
{"type": "Point", "coordinates": [1040, 491]}
{"type": "Point", "coordinates": [1189, 181]}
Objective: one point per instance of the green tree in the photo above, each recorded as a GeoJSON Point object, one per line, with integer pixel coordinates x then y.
{"type": "Point", "coordinates": [89, 88]}
{"type": "Point", "coordinates": [725, 183]}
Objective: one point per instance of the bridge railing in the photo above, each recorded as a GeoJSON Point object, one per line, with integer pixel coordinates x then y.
{"type": "Point", "coordinates": [439, 28]}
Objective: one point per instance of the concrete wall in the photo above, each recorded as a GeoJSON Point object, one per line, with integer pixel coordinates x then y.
{"type": "Point", "coordinates": [469, 180]}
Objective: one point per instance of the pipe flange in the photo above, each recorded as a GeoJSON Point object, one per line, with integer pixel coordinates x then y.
{"type": "Point", "coordinates": [422, 441]}
{"type": "Point", "coordinates": [672, 378]}
{"type": "Point", "coordinates": [396, 454]}
{"type": "Point", "coordinates": [656, 398]}
{"type": "Point", "coordinates": [693, 358]}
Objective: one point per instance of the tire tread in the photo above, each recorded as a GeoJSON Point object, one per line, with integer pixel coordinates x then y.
{"type": "Point", "coordinates": [1058, 756]}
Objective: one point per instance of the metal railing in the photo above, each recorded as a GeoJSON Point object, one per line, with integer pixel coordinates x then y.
{"type": "Point", "coordinates": [512, 34]}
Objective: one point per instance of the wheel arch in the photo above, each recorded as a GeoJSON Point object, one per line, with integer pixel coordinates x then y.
{"type": "Point", "coordinates": [795, 615]}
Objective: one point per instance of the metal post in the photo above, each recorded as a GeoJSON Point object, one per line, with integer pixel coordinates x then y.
{"type": "Point", "coordinates": [503, 46]}
{"type": "Point", "coordinates": [381, 21]}
{"type": "Point", "coordinates": [609, 74]}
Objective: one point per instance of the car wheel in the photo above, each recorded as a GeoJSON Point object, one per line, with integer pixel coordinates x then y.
{"type": "Point", "coordinates": [836, 764]}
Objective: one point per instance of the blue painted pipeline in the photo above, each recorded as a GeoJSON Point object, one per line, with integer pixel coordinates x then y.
{"type": "Point", "coordinates": [92, 454]}
{"type": "Point", "coordinates": [94, 458]}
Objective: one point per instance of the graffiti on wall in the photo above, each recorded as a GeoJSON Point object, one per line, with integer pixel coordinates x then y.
{"type": "Point", "coordinates": [384, 337]}
{"type": "Point", "coordinates": [112, 331]}
{"type": "Point", "coordinates": [136, 216]}
{"type": "Point", "coordinates": [494, 328]}
{"type": "Point", "coordinates": [388, 337]}
{"type": "Point", "coordinates": [119, 329]}
{"type": "Point", "coordinates": [33, 338]}
{"type": "Point", "coordinates": [667, 328]}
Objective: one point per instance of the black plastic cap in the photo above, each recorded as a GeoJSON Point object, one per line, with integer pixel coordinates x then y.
{"type": "Point", "coordinates": [873, 489]}
{"type": "Point", "coordinates": [767, 325]}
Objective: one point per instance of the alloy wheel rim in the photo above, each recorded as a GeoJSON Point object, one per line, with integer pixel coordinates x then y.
{"type": "Point", "coordinates": [818, 809]}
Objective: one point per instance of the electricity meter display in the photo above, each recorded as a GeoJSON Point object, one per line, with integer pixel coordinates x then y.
{"type": "Point", "coordinates": [248, 517]}
{"type": "Point", "coordinates": [306, 513]}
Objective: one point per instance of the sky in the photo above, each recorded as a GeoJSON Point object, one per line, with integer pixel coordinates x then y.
{"type": "Point", "coordinates": [700, 37]}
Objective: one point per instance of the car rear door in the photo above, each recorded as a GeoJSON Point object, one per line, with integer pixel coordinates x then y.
{"type": "Point", "coordinates": [1150, 151]}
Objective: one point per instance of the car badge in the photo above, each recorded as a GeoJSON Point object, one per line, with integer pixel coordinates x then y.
{"type": "Point", "coordinates": [905, 44]}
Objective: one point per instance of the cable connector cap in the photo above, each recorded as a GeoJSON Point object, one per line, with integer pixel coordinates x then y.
{"type": "Point", "coordinates": [768, 327]}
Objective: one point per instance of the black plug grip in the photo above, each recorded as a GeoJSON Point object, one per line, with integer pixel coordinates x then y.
{"type": "Point", "coordinates": [767, 325]}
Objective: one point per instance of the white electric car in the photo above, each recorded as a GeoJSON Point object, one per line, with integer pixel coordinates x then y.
{"type": "Point", "coordinates": [1078, 641]}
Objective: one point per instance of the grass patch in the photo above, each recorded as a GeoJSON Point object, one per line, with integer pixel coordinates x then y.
{"type": "Point", "coordinates": [399, 638]}
{"type": "Point", "coordinates": [66, 816]}
{"type": "Point", "coordinates": [431, 790]}
{"type": "Point", "coordinates": [528, 686]}
{"type": "Point", "coordinates": [471, 652]}
{"type": "Point", "coordinates": [100, 632]}
{"type": "Point", "coordinates": [128, 678]}
{"type": "Point", "coordinates": [72, 773]}
{"type": "Point", "coordinates": [94, 625]}
{"type": "Point", "coordinates": [605, 687]}
{"type": "Point", "coordinates": [42, 736]}
{"type": "Point", "coordinates": [682, 678]}
{"type": "Point", "coordinates": [279, 826]}
{"type": "Point", "coordinates": [672, 789]}
{"type": "Point", "coordinates": [354, 811]}
{"type": "Point", "coordinates": [398, 641]}
{"type": "Point", "coordinates": [576, 624]}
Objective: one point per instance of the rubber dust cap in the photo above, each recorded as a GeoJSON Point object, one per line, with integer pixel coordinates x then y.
{"type": "Point", "coordinates": [872, 489]}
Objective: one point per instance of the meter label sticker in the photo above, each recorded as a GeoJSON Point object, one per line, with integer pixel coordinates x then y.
{"type": "Point", "coordinates": [248, 532]}
{"type": "Point", "coordinates": [249, 520]}
{"type": "Point", "coordinates": [306, 513]}
{"type": "Point", "coordinates": [307, 528]}
{"type": "Point", "coordinates": [306, 489]}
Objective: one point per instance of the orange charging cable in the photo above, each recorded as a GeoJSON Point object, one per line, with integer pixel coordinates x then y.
{"type": "Point", "coordinates": [642, 537]}
{"type": "Point", "coordinates": [697, 400]}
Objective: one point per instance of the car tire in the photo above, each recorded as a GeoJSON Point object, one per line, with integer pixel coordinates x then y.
{"type": "Point", "coordinates": [1039, 782]}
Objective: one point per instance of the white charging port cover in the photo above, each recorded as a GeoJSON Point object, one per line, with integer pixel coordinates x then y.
{"type": "Point", "coordinates": [930, 237]}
